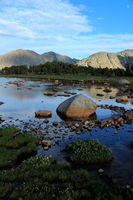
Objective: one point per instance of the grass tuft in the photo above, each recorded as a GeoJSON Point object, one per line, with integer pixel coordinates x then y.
{"type": "Point", "coordinates": [88, 152]}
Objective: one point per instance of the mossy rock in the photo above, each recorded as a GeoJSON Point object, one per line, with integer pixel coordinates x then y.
{"type": "Point", "coordinates": [15, 146]}
{"type": "Point", "coordinates": [89, 151]}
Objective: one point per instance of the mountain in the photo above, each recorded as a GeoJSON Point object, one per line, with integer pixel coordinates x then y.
{"type": "Point", "coordinates": [119, 60]}
{"type": "Point", "coordinates": [27, 57]}
{"type": "Point", "coordinates": [51, 56]}
{"type": "Point", "coordinates": [20, 57]}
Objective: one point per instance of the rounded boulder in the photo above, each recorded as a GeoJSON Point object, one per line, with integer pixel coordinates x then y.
{"type": "Point", "coordinates": [76, 107]}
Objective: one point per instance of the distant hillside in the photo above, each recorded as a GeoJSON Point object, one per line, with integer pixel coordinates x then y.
{"type": "Point", "coordinates": [51, 56]}
{"type": "Point", "coordinates": [27, 57]}
{"type": "Point", "coordinates": [119, 60]}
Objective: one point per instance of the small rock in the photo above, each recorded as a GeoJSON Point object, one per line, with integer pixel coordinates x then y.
{"type": "Point", "coordinates": [100, 171]}
{"type": "Point", "coordinates": [76, 125]}
{"type": "Point", "coordinates": [115, 132]}
{"type": "Point", "coordinates": [122, 99]}
{"type": "Point", "coordinates": [49, 93]}
{"type": "Point", "coordinates": [43, 113]}
{"type": "Point", "coordinates": [55, 123]}
{"type": "Point", "coordinates": [46, 143]}
{"type": "Point", "coordinates": [46, 148]}
{"type": "Point", "coordinates": [1, 102]}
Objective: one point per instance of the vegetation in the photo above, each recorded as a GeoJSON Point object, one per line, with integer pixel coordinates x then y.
{"type": "Point", "coordinates": [65, 68]}
{"type": "Point", "coordinates": [131, 144]}
{"type": "Point", "coordinates": [41, 178]}
{"type": "Point", "coordinates": [88, 152]}
{"type": "Point", "coordinates": [15, 147]}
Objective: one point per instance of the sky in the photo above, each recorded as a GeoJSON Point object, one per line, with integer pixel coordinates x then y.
{"type": "Point", "coordinates": [75, 28]}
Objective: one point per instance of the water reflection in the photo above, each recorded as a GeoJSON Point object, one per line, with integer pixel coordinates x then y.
{"type": "Point", "coordinates": [95, 91]}
{"type": "Point", "coordinates": [23, 102]}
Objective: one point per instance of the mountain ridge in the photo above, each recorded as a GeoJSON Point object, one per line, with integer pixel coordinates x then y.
{"type": "Point", "coordinates": [29, 57]}
{"type": "Point", "coordinates": [102, 59]}
{"type": "Point", "coordinates": [119, 60]}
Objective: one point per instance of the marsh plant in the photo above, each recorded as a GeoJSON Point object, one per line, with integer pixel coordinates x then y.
{"type": "Point", "coordinates": [42, 178]}
{"type": "Point", "coordinates": [15, 146]}
{"type": "Point", "coordinates": [89, 151]}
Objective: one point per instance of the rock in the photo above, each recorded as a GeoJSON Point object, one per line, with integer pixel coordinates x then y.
{"type": "Point", "coordinates": [43, 113]}
{"type": "Point", "coordinates": [46, 121]}
{"type": "Point", "coordinates": [63, 95]}
{"type": "Point", "coordinates": [128, 115]}
{"type": "Point", "coordinates": [77, 125]}
{"type": "Point", "coordinates": [19, 84]}
{"type": "Point", "coordinates": [46, 148]}
{"type": "Point", "coordinates": [70, 93]}
{"type": "Point", "coordinates": [100, 171]}
{"type": "Point", "coordinates": [1, 102]}
{"type": "Point", "coordinates": [76, 107]}
{"type": "Point", "coordinates": [13, 82]}
{"type": "Point", "coordinates": [116, 132]}
{"type": "Point", "coordinates": [55, 123]}
{"type": "Point", "coordinates": [124, 82]}
{"type": "Point", "coordinates": [100, 95]}
{"type": "Point", "coordinates": [111, 97]}
{"type": "Point", "coordinates": [107, 90]}
{"type": "Point", "coordinates": [49, 93]}
{"type": "Point", "coordinates": [56, 81]}
{"type": "Point", "coordinates": [46, 143]}
{"type": "Point", "coordinates": [122, 99]}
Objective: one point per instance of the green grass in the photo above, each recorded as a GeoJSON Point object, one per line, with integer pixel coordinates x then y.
{"type": "Point", "coordinates": [41, 178]}
{"type": "Point", "coordinates": [15, 147]}
{"type": "Point", "coordinates": [73, 77]}
{"type": "Point", "coordinates": [88, 152]}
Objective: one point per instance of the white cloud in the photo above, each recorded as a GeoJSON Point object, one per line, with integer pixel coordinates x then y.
{"type": "Point", "coordinates": [42, 19]}
{"type": "Point", "coordinates": [53, 25]}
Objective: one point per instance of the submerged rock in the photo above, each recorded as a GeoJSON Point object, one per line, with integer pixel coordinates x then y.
{"type": "Point", "coordinates": [76, 107]}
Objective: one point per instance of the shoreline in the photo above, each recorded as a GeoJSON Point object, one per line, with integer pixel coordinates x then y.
{"type": "Point", "coordinates": [72, 77]}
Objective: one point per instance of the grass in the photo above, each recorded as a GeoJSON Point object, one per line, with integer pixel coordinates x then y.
{"type": "Point", "coordinates": [41, 178]}
{"type": "Point", "coordinates": [73, 77]}
{"type": "Point", "coordinates": [88, 152]}
{"type": "Point", "coordinates": [15, 147]}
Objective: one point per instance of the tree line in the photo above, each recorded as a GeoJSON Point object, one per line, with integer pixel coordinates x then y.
{"type": "Point", "coordinates": [65, 68]}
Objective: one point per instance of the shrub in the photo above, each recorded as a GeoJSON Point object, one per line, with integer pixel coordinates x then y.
{"type": "Point", "coordinates": [88, 152]}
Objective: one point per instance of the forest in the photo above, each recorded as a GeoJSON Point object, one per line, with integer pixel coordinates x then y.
{"type": "Point", "coordinates": [65, 68]}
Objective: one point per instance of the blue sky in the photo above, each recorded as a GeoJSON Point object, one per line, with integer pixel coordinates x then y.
{"type": "Point", "coordinates": [71, 27]}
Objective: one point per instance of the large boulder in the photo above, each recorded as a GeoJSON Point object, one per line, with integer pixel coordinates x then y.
{"type": "Point", "coordinates": [76, 107]}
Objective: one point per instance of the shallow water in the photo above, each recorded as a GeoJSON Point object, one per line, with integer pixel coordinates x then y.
{"type": "Point", "coordinates": [21, 103]}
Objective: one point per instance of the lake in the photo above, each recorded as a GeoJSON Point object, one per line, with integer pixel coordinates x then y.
{"type": "Point", "coordinates": [23, 100]}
